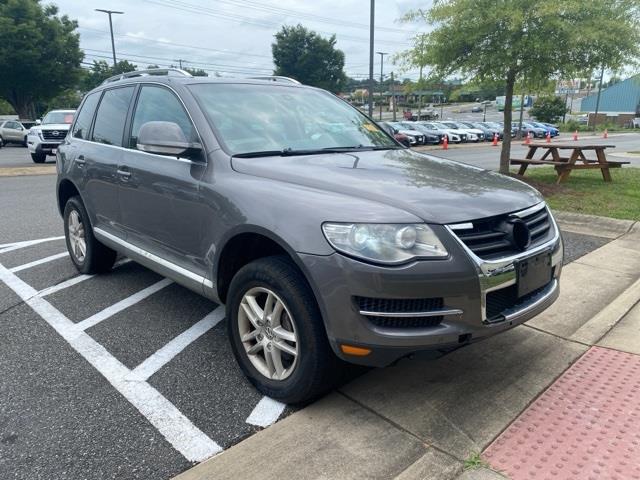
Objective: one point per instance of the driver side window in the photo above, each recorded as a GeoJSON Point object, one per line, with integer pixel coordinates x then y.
{"type": "Point", "coordinates": [159, 104]}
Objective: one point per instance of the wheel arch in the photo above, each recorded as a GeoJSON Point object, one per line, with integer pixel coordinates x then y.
{"type": "Point", "coordinates": [66, 190]}
{"type": "Point", "coordinates": [246, 244]}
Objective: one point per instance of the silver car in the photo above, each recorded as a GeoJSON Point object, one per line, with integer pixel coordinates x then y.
{"type": "Point", "coordinates": [12, 131]}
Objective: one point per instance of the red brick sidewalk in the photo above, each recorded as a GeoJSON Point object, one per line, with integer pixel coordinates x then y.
{"type": "Point", "coordinates": [585, 426]}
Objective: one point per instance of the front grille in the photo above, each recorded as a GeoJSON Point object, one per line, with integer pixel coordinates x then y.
{"type": "Point", "coordinates": [507, 298]}
{"type": "Point", "coordinates": [487, 241]}
{"type": "Point", "coordinates": [404, 322]}
{"type": "Point", "coordinates": [54, 134]}
{"type": "Point", "coordinates": [401, 305]}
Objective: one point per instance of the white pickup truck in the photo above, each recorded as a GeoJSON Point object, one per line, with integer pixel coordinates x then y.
{"type": "Point", "coordinates": [43, 139]}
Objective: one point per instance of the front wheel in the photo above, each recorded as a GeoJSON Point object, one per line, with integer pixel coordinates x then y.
{"type": "Point", "coordinates": [38, 157]}
{"type": "Point", "coordinates": [87, 253]}
{"type": "Point", "coordinates": [277, 333]}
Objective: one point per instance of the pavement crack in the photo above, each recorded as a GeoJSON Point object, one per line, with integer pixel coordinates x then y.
{"type": "Point", "coordinates": [560, 337]}
{"type": "Point", "coordinates": [398, 426]}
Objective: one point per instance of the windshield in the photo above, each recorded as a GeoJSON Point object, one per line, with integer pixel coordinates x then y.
{"type": "Point", "coordinates": [277, 118]}
{"type": "Point", "coordinates": [429, 126]}
{"type": "Point", "coordinates": [58, 117]}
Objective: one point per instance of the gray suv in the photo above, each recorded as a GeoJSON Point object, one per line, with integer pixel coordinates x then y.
{"type": "Point", "coordinates": [326, 239]}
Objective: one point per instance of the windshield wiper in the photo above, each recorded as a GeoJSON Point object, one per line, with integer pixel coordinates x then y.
{"type": "Point", "coordinates": [289, 152]}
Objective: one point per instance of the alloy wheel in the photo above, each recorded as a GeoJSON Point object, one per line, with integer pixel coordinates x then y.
{"type": "Point", "coordinates": [77, 236]}
{"type": "Point", "coordinates": [268, 333]}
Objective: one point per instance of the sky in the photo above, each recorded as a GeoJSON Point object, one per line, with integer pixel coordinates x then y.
{"type": "Point", "coordinates": [233, 37]}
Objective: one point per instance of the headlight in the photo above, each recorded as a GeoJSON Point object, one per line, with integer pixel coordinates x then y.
{"type": "Point", "coordinates": [384, 243]}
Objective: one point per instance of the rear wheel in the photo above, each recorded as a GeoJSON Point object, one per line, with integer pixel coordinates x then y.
{"type": "Point", "coordinates": [38, 157]}
{"type": "Point", "coordinates": [277, 333]}
{"type": "Point", "coordinates": [88, 254]}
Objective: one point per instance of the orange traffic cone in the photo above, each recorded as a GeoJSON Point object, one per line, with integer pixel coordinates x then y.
{"type": "Point", "coordinates": [527, 140]}
{"type": "Point", "coordinates": [548, 136]}
{"type": "Point", "coordinates": [606, 133]}
{"type": "Point", "coordinates": [445, 142]}
{"type": "Point", "coordinates": [575, 135]}
{"type": "Point", "coordinates": [495, 139]}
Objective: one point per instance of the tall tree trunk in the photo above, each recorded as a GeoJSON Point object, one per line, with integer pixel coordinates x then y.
{"type": "Point", "coordinates": [505, 153]}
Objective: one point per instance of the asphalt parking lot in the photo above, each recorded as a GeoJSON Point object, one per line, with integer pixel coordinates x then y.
{"type": "Point", "coordinates": [122, 375]}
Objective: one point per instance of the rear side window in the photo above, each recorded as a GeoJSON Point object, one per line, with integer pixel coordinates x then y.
{"type": "Point", "coordinates": [84, 117]}
{"type": "Point", "coordinates": [159, 104]}
{"type": "Point", "coordinates": [112, 113]}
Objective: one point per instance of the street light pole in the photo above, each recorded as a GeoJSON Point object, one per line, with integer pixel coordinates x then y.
{"type": "Point", "coordinates": [484, 116]}
{"type": "Point", "coordinates": [113, 45]}
{"type": "Point", "coordinates": [595, 116]}
{"type": "Point", "coordinates": [382, 54]}
{"type": "Point", "coordinates": [371, 28]}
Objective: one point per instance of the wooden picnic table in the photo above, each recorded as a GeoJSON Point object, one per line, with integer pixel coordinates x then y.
{"type": "Point", "coordinates": [564, 164]}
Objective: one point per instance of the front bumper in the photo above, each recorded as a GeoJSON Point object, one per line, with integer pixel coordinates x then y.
{"type": "Point", "coordinates": [42, 146]}
{"type": "Point", "coordinates": [462, 281]}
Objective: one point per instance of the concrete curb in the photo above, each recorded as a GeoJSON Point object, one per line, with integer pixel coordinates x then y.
{"type": "Point", "coordinates": [596, 329]}
{"type": "Point", "coordinates": [592, 224]}
{"type": "Point", "coordinates": [23, 171]}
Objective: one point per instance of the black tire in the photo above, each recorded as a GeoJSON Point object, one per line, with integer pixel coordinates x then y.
{"type": "Point", "coordinates": [1, 142]}
{"type": "Point", "coordinates": [98, 258]}
{"type": "Point", "coordinates": [318, 369]}
{"type": "Point", "coordinates": [24, 142]}
{"type": "Point", "coordinates": [38, 157]}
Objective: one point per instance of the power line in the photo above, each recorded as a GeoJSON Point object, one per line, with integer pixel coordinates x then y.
{"type": "Point", "coordinates": [254, 21]}
{"type": "Point", "coordinates": [290, 12]}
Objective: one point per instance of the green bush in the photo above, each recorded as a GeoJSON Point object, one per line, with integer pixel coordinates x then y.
{"type": "Point", "coordinates": [548, 109]}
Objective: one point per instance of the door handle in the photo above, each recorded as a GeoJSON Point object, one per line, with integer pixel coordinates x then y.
{"type": "Point", "coordinates": [80, 161]}
{"type": "Point", "coordinates": [124, 173]}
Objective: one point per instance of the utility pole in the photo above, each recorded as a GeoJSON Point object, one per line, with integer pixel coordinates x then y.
{"type": "Point", "coordinates": [180, 60]}
{"type": "Point", "coordinates": [371, 28]}
{"type": "Point", "coordinates": [393, 97]}
{"type": "Point", "coordinates": [595, 117]}
{"type": "Point", "coordinates": [484, 115]}
{"type": "Point", "coordinates": [113, 45]}
{"type": "Point", "coordinates": [519, 136]}
{"type": "Point", "coordinates": [382, 54]}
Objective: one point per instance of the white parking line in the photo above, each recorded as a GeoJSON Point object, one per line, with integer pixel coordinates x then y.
{"type": "Point", "coordinates": [163, 356]}
{"type": "Point", "coordinates": [15, 246]}
{"type": "Point", "coordinates": [39, 262]}
{"type": "Point", "coordinates": [266, 412]}
{"type": "Point", "coordinates": [62, 285]}
{"type": "Point", "coordinates": [122, 305]}
{"type": "Point", "coordinates": [178, 430]}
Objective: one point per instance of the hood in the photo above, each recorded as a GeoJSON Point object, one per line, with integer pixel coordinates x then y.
{"type": "Point", "coordinates": [434, 189]}
{"type": "Point", "coordinates": [413, 133]}
{"type": "Point", "coordinates": [51, 126]}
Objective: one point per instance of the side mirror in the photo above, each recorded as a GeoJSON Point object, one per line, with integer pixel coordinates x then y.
{"type": "Point", "coordinates": [165, 138]}
{"type": "Point", "coordinates": [38, 122]}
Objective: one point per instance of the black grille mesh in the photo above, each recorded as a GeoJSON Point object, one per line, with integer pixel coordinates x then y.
{"type": "Point", "coordinates": [487, 241]}
{"type": "Point", "coordinates": [401, 305]}
{"type": "Point", "coordinates": [506, 298]}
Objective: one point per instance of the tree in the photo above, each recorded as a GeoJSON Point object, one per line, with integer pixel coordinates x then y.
{"type": "Point", "coordinates": [548, 109]}
{"type": "Point", "coordinates": [306, 56]}
{"type": "Point", "coordinates": [101, 70]}
{"type": "Point", "coordinates": [196, 72]}
{"type": "Point", "coordinates": [39, 54]}
{"type": "Point", "coordinates": [526, 41]}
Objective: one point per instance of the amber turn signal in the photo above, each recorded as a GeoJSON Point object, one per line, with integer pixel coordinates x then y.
{"type": "Point", "coordinates": [355, 351]}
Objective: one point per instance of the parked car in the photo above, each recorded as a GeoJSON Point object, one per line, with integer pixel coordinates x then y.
{"type": "Point", "coordinates": [473, 134]}
{"type": "Point", "coordinates": [485, 132]}
{"type": "Point", "coordinates": [452, 136]}
{"type": "Point", "coordinates": [395, 133]}
{"type": "Point", "coordinates": [476, 109]}
{"type": "Point", "coordinates": [430, 137]}
{"type": "Point", "coordinates": [536, 132]}
{"type": "Point", "coordinates": [490, 129]}
{"type": "Point", "coordinates": [12, 131]}
{"type": "Point", "coordinates": [415, 137]}
{"type": "Point", "coordinates": [43, 139]}
{"type": "Point", "coordinates": [553, 131]}
{"type": "Point", "coordinates": [325, 244]}
{"type": "Point", "coordinates": [514, 128]}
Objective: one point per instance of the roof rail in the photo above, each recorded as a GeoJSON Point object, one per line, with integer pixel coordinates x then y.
{"type": "Point", "coordinates": [277, 78]}
{"type": "Point", "coordinates": [168, 72]}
